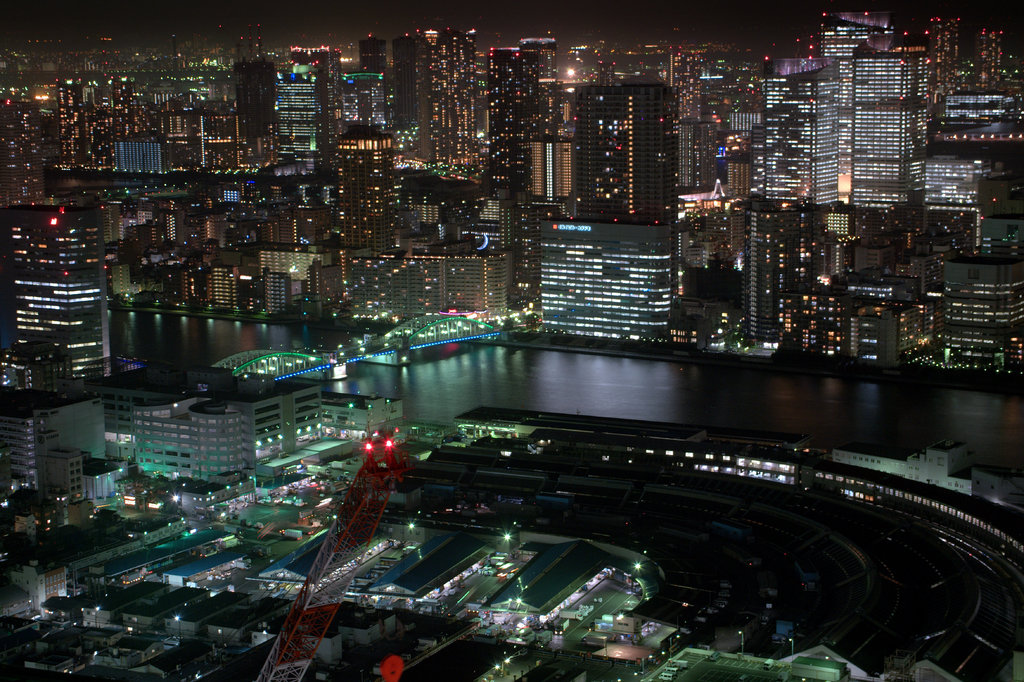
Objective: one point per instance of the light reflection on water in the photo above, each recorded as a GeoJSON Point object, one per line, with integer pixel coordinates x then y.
{"type": "Point", "coordinates": [447, 380]}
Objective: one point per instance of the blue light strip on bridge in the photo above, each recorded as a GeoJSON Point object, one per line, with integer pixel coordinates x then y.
{"type": "Point", "coordinates": [465, 338]}
{"type": "Point", "coordinates": [304, 371]}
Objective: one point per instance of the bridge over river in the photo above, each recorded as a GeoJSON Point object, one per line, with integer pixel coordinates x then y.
{"type": "Point", "coordinates": [392, 347]}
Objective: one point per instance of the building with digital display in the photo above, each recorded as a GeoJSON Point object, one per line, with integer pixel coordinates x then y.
{"type": "Point", "coordinates": [606, 279]}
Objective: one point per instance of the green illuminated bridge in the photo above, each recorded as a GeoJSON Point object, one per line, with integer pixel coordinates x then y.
{"type": "Point", "coordinates": [392, 347]}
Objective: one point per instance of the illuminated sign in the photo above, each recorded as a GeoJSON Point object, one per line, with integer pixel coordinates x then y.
{"type": "Point", "coordinates": [569, 227]}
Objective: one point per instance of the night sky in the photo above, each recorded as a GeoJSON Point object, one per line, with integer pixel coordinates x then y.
{"type": "Point", "coordinates": [756, 24]}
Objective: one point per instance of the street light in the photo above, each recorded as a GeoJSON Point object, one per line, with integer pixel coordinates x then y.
{"type": "Point", "coordinates": [508, 537]}
{"type": "Point", "coordinates": [741, 641]}
{"type": "Point", "coordinates": [791, 646]}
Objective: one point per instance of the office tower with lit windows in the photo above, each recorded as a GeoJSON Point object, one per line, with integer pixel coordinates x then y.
{"type": "Point", "coordinates": [550, 169]}
{"type": "Point", "coordinates": [988, 58]}
{"type": "Point", "coordinates": [363, 100]}
{"type": "Point", "coordinates": [54, 281]}
{"type": "Point", "coordinates": [513, 108]}
{"type": "Point", "coordinates": [889, 123]}
{"type": "Point", "coordinates": [303, 118]}
{"type": "Point", "coordinates": [983, 305]}
{"type": "Point", "coordinates": [943, 56]}
{"type": "Point", "coordinates": [684, 71]}
{"type": "Point", "coordinates": [366, 189]}
{"type": "Point", "coordinates": [71, 124]}
{"type": "Point", "coordinates": [21, 154]}
{"type": "Point", "coordinates": [625, 159]}
{"type": "Point", "coordinates": [404, 82]}
{"type": "Point", "coordinates": [777, 258]}
{"type": "Point", "coordinates": [801, 142]}
{"type": "Point", "coordinates": [373, 54]}
{"type": "Point", "coordinates": [448, 116]}
{"type": "Point", "coordinates": [255, 100]}
{"type": "Point", "coordinates": [841, 33]}
{"type": "Point", "coordinates": [606, 279]}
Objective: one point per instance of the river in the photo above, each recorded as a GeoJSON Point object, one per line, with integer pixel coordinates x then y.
{"type": "Point", "coordinates": [446, 380]}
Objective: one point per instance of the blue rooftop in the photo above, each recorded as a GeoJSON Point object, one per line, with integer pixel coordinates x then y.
{"type": "Point", "coordinates": [145, 557]}
{"type": "Point", "coordinates": [205, 564]}
{"type": "Point", "coordinates": [553, 574]}
{"type": "Point", "coordinates": [298, 561]}
{"type": "Point", "coordinates": [438, 558]}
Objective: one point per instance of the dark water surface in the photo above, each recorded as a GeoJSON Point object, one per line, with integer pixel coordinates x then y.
{"type": "Point", "coordinates": [447, 380]}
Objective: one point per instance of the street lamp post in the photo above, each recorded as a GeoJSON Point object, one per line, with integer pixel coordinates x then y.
{"type": "Point", "coordinates": [741, 641]}
{"type": "Point", "coordinates": [791, 647]}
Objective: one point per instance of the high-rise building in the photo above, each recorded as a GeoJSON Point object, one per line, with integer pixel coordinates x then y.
{"type": "Point", "coordinates": [550, 168]}
{"type": "Point", "coordinates": [303, 117]}
{"type": "Point", "coordinates": [404, 82]}
{"type": "Point", "coordinates": [513, 107]}
{"type": "Point", "coordinates": [777, 258]}
{"type": "Point", "coordinates": [841, 33]}
{"type": "Point", "coordinates": [373, 53]}
{"type": "Point", "coordinates": [54, 262]}
{"type": "Point", "coordinates": [606, 279]}
{"type": "Point", "coordinates": [988, 58]}
{"type": "Point", "coordinates": [684, 71]}
{"type": "Point", "coordinates": [366, 189]}
{"type": "Point", "coordinates": [548, 86]}
{"type": "Point", "coordinates": [363, 99]}
{"type": "Point", "coordinates": [71, 124]}
{"type": "Point", "coordinates": [21, 154]}
{"type": "Point", "coordinates": [255, 100]}
{"type": "Point", "coordinates": [801, 144]}
{"type": "Point", "coordinates": [983, 304]}
{"type": "Point", "coordinates": [889, 123]}
{"type": "Point", "coordinates": [625, 158]}
{"type": "Point", "coordinates": [698, 151]}
{"type": "Point", "coordinates": [448, 121]}
{"type": "Point", "coordinates": [943, 56]}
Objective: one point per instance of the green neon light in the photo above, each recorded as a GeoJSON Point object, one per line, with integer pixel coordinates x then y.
{"type": "Point", "coordinates": [437, 322]}
{"type": "Point", "coordinates": [274, 355]}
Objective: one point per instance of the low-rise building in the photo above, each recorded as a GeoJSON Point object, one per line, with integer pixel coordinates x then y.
{"type": "Point", "coordinates": [946, 464]}
{"type": "Point", "coordinates": [354, 416]}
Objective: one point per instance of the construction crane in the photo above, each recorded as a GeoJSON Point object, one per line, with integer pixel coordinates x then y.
{"type": "Point", "coordinates": [353, 528]}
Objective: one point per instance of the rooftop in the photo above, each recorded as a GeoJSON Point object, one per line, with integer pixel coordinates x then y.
{"type": "Point", "coordinates": [205, 564]}
{"type": "Point", "coordinates": [440, 556]}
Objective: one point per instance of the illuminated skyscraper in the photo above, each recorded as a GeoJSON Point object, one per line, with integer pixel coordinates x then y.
{"type": "Point", "coordinates": [71, 124]}
{"type": "Point", "coordinates": [698, 150]}
{"type": "Point", "coordinates": [889, 123]}
{"type": "Point", "coordinates": [943, 56]}
{"type": "Point", "coordinates": [303, 120]}
{"type": "Point", "coordinates": [684, 71]}
{"type": "Point", "coordinates": [550, 169]}
{"type": "Point", "coordinates": [373, 54]}
{"type": "Point", "coordinates": [606, 279]}
{"type": "Point", "coordinates": [549, 89]}
{"type": "Point", "coordinates": [366, 189]}
{"type": "Point", "coordinates": [625, 157]}
{"type": "Point", "coordinates": [513, 115]}
{"type": "Point", "coordinates": [255, 99]}
{"type": "Point", "coordinates": [363, 99]}
{"type": "Point", "coordinates": [448, 122]}
{"type": "Point", "coordinates": [800, 127]}
{"type": "Point", "coordinates": [777, 258]}
{"type": "Point", "coordinates": [988, 58]}
{"type": "Point", "coordinates": [54, 262]}
{"type": "Point", "coordinates": [21, 156]}
{"type": "Point", "coordinates": [841, 33]}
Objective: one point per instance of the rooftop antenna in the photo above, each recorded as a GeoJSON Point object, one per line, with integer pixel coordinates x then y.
{"type": "Point", "coordinates": [259, 40]}
{"type": "Point", "coordinates": [250, 41]}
